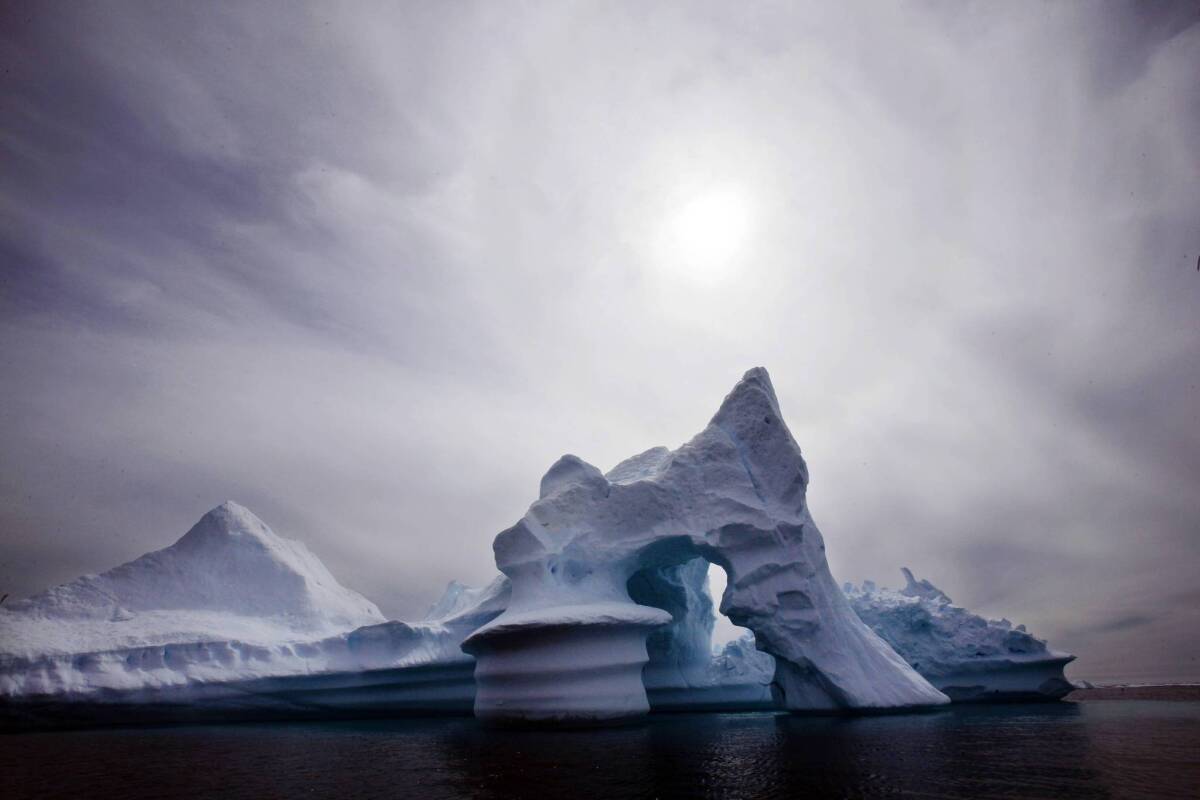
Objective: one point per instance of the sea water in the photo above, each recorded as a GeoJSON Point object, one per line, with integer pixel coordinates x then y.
{"type": "Point", "coordinates": [1113, 748]}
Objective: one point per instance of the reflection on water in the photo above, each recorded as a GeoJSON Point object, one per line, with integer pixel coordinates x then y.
{"type": "Point", "coordinates": [1097, 749]}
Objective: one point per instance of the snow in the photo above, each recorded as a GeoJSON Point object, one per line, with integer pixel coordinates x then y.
{"type": "Point", "coordinates": [229, 577]}
{"type": "Point", "coordinates": [609, 614]}
{"type": "Point", "coordinates": [465, 608]}
{"type": "Point", "coordinates": [229, 601]}
{"type": "Point", "coordinates": [963, 654]}
{"type": "Point", "coordinates": [231, 618]}
{"type": "Point", "coordinates": [735, 495]}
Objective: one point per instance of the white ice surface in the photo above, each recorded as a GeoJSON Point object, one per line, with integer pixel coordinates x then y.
{"type": "Point", "coordinates": [229, 577]}
{"type": "Point", "coordinates": [736, 495]}
{"type": "Point", "coordinates": [230, 601]}
{"type": "Point", "coordinates": [961, 653]}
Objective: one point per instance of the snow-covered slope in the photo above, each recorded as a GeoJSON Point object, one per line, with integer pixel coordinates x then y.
{"type": "Point", "coordinates": [230, 599]}
{"type": "Point", "coordinates": [963, 654]}
{"type": "Point", "coordinates": [466, 608]}
{"type": "Point", "coordinates": [230, 576]}
{"type": "Point", "coordinates": [571, 644]}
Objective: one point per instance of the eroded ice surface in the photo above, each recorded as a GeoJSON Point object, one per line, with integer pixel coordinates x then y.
{"type": "Point", "coordinates": [963, 654]}
{"type": "Point", "coordinates": [604, 574]}
{"type": "Point", "coordinates": [684, 671]}
{"type": "Point", "coordinates": [228, 577]}
{"type": "Point", "coordinates": [572, 642]}
{"type": "Point", "coordinates": [230, 602]}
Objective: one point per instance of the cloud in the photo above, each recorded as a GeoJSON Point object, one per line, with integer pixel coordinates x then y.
{"type": "Point", "coordinates": [1122, 624]}
{"type": "Point", "coordinates": [371, 273]}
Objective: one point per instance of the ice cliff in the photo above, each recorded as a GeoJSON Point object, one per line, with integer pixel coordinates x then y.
{"type": "Point", "coordinates": [571, 644]}
{"type": "Point", "coordinates": [963, 654]}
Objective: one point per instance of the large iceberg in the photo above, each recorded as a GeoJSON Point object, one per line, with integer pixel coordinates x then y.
{"type": "Point", "coordinates": [571, 645]}
{"type": "Point", "coordinates": [966, 656]}
{"type": "Point", "coordinates": [602, 611]}
{"type": "Point", "coordinates": [963, 654]}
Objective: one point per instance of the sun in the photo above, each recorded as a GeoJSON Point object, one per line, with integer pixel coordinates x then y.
{"type": "Point", "coordinates": [707, 233]}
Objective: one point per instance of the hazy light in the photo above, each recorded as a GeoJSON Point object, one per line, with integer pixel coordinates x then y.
{"type": "Point", "coordinates": [723, 630]}
{"type": "Point", "coordinates": [706, 234]}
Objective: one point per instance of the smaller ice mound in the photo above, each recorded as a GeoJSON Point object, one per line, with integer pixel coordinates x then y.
{"type": "Point", "coordinates": [230, 576]}
{"type": "Point", "coordinates": [962, 654]}
{"type": "Point", "coordinates": [228, 604]}
{"type": "Point", "coordinates": [466, 607]}
{"type": "Point", "coordinates": [741, 664]}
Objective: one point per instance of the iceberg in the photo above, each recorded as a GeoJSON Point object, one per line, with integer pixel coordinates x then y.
{"type": "Point", "coordinates": [969, 658]}
{"type": "Point", "coordinates": [234, 619]}
{"type": "Point", "coordinates": [572, 643]}
{"type": "Point", "coordinates": [685, 673]}
{"type": "Point", "coordinates": [601, 612]}
{"type": "Point", "coordinates": [964, 655]}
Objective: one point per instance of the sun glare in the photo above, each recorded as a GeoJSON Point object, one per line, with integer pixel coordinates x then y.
{"type": "Point", "coordinates": [707, 233]}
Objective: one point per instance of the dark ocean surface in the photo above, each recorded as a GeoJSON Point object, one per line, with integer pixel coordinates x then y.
{"type": "Point", "coordinates": [1100, 748]}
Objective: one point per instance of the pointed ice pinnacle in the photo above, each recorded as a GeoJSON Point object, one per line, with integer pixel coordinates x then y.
{"type": "Point", "coordinates": [228, 562]}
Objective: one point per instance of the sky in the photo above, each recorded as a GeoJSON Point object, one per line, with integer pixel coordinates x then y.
{"type": "Point", "coordinates": [369, 269]}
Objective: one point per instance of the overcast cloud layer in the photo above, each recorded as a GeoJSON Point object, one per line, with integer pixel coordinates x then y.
{"type": "Point", "coordinates": [370, 272]}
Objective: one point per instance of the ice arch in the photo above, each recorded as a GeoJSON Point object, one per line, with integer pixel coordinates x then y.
{"type": "Point", "coordinates": [680, 651]}
{"type": "Point", "coordinates": [684, 672]}
{"type": "Point", "coordinates": [571, 644]}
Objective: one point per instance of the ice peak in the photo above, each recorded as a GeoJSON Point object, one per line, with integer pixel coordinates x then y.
{"type": "Point", "coordinates": [233, 514]}
{"type": "Point", "coordinates": [229, 561]}
{"type": "Point", "coordinates": [643, 465]}
{"type": "Point", "coordinates": [569, 470]}
{"type": "Point", "coordinates": [228, 524]}
{"type": "Point", "coordinates": [753, 394]}
{"type": "Point", "coordinates": [921, 588]}
{"type": "Point", "coordinates": [233, 507]}
{"type": "Point", "coordinates": [751, 418]}
{"type": "Point", "coordinates": [448, 602]}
